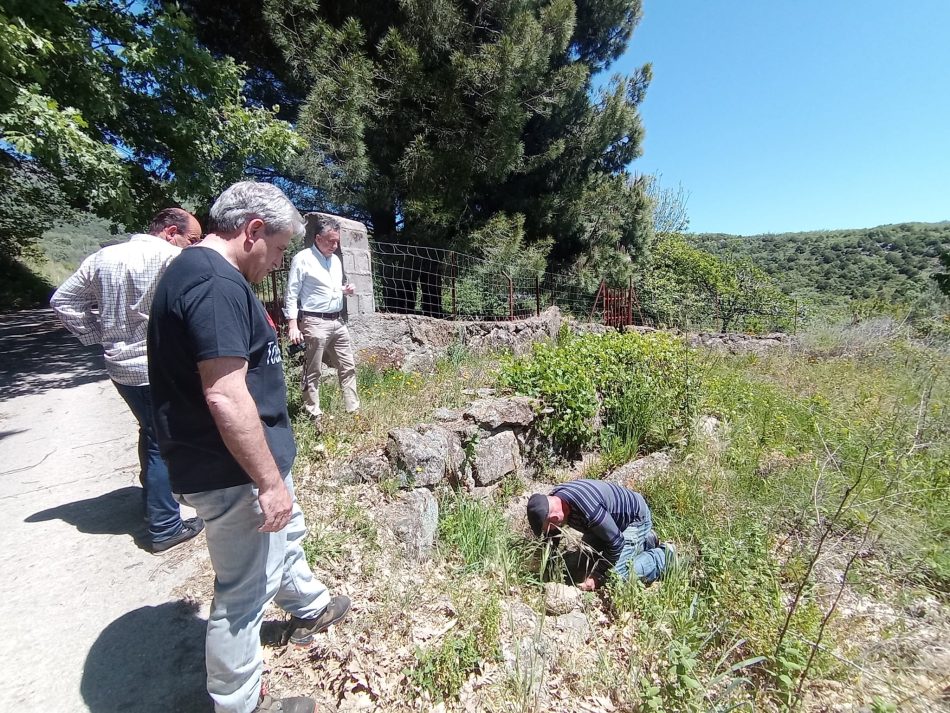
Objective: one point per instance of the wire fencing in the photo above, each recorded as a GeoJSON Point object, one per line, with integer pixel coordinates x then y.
{"type": "Point", "coordinates": [441, 283]}
{"type": "Point", "coordinates": [451, 285]}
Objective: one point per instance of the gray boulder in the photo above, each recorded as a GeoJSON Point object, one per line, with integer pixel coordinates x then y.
{"type": "Point", "coordinates": [575, 627]}
{"type": "Point", "coordinates": [495, 457]}
{"type": "Point", "coordinates": [446, 415]}
{"type": "Point", "coordinates": [425, 455]}
{"type": "Point", "coordinates": [367, 468]}
{"type": "Point", "coordinates": [636, 471]}
{"type": "Point", "coordinates": [560, 598]}
{"type": "Point", "coordinates": [413, 519]}
{"type": "Point", "coordinates": [493, 413]}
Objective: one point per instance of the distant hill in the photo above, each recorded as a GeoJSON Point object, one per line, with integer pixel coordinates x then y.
{"type": "Point", "coordinates": [889, 262]}
{"type": "Point", "coordinates": [67, 245]}
{"type": "Point", "coordinates": [28, 280]}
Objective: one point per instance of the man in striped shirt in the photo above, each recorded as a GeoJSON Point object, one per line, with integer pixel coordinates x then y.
{"type": "Point", "coordinates": [107, 301]}
{"type": "Point", "coordinates": [616, 523]}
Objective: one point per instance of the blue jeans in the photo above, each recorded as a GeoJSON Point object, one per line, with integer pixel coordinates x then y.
{"type": "Point", "coordinates": [251, 568]}
{"type": "Point", "coordinates": [161, 511]}
{"type": "Point", "coordinates": [647, 564]}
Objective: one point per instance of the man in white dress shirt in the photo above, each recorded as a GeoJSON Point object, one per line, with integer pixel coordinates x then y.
{"type": "Point", "coordinates": [313, 306]}
{"type": "Point", "coordinates": [107, 301]}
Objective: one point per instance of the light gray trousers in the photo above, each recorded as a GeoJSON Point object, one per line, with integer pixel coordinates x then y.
{"type": "Point", "coordinates": [251, 569]}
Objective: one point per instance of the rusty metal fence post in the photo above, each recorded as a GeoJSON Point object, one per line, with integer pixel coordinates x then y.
{"type": "Point", "coordinates": [511, 297]}
{"type": "Point", "coordinates": [537, 296]}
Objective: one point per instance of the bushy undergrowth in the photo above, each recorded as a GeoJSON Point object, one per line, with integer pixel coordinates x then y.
{"type": "Point", "coordinates": [827, 468]}
{"type": "Point", "coordinates": [826, 471]}
{"type": "Point", "coordinates": [638, 386]}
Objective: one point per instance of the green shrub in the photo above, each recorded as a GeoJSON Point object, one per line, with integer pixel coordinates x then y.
{"type": "Point", "coordinates": [640, 386]}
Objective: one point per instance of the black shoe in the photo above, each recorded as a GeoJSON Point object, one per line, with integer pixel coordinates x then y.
{"type": "Point", "coordinates": [297, 704]}
{"type": "Point", "coordinates": [302, 631]}
{"type": "Point", "coordinates": [189, 528]}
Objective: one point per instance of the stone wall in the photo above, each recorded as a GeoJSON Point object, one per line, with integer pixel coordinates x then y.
{"type": "Point", "coordinates": [473, 448]}
{"type": "Point", "coordinates": [413, 342]}
{"type": "Point", "coordinates": [732, 342]}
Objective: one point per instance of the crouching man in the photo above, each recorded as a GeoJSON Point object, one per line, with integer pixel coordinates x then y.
{"type": "Point", "coordinates": [220, 407]}
{"type": "Point", "coordinates": [616, 524]}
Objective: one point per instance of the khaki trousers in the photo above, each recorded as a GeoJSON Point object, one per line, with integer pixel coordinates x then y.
{"type": "Point", "coordinates": [327, 340]}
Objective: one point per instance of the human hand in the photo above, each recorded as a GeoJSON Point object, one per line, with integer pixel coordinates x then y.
{"type": "Point", "coordinates": [588, 585]}
{"type": "Point", "coordinates": [349, 288]}
{"type": "Point", "coordinates": [276, 504]}
{"type": "Point", "coordinates": [294, 335]}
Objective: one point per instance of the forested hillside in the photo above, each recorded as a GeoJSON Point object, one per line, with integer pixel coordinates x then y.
{"type": "Point", "coordinates": [889, 262]}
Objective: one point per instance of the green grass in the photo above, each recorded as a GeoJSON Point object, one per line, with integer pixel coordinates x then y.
{"type": "Point", "coordinates": [838, 447]}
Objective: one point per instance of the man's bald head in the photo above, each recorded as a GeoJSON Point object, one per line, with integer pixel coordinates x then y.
{"type": "Point", "coordinates": [177, 226]}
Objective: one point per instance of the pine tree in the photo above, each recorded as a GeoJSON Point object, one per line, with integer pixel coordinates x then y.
{"type": "Point", "coordinates": [431, 119]}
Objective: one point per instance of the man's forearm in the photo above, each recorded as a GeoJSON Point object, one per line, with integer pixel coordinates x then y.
{"type": "Point", "coordinates": [236, 417]}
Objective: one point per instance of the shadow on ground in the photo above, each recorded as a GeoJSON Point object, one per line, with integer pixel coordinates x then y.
{"type": "Point", "coordinates": [117, 513]}
{"type": "Point", "coordinates": [150, 660]}
{"type": "Point", "coordinates": [38, 354]}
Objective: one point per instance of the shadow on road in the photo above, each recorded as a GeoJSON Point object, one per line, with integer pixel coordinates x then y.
{"type": "Point", "coordinates": [150, 660]}
{"type": "Point", "coordinates": [117, 513]}
{"type": "Point", "coordinates": [38, 354]}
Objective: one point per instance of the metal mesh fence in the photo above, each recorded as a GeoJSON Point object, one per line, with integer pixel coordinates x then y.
{"type": "Point", "coordinates": [446, 284]}
{"type": "Point", "coordinates": [451, 285]}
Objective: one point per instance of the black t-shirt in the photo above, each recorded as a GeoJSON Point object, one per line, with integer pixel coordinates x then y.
{"type": "Point", "coordinates": [204, 309]}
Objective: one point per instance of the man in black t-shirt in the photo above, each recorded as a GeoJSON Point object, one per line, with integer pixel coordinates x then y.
{"type": "Point", "coordinates": [220, 406]}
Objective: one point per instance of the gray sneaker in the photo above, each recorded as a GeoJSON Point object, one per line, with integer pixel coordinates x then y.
{"type": "Point", "coordinates": [651, 541]}
{"type": "Point", "coordinates": [296, 704]}
{"type": "Point", "coordinates": [302, 631]}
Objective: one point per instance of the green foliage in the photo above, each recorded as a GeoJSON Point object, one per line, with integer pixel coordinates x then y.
{"type": "Point", "coordinates": [325, 546]}
{"type": "Point", "coordinates": [446, 115]}
{"type": "Point", "coordinates": [443, 669]}
{"type": "Point", "coordinates": [684, 284]}
{"type": "Point", "coordinates": [124, 109]}
{"type": "Point", "coordinates": [30, 203]}
{"type": "Point", "coordinates": [477, 534]}
{"type": "Point", "coordinates": [943, 278]}
{"type": "Point", "coordinates": [639, 386]}
{"type": "Point", "coordinates": [21, 287]}
{"type": "Point", "coordinates": [891, 263]}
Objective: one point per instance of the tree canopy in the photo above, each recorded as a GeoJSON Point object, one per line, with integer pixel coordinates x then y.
{"type": "Point", "coordinates": [431, 119]}
{"type": "Point", "coordinates": [892, 263]}
{"type": "Point", "coordinates": [122, 110]}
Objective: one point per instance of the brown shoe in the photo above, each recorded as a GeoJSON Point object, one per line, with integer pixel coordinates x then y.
{"type": "Point", "coordinates": [302, 631]}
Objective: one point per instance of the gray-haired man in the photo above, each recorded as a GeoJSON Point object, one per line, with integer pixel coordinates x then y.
{"type": "Point", "coordinates": [221, 416]}
{"type": "Point", "coordinates": [314, 305]}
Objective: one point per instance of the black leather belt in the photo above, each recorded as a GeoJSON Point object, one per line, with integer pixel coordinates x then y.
{"type": "Point", "coordinates": [321, 315]}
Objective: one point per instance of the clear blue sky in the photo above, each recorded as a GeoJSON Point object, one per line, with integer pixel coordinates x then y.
{"type": "Point", "coordinates": [783, 116]}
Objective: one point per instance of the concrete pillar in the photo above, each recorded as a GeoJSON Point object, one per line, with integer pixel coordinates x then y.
{"type": "Point", "coordinates": [357, 264]}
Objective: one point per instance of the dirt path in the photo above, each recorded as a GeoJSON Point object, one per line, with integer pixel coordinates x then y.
{"type": "Point", "coordinates": [89, 619]}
